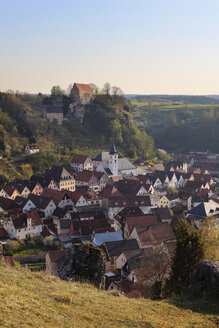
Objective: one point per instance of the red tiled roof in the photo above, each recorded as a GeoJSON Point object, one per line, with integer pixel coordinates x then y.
{"type": "Point", "coordinates": [111, 191]}
{"type": "Point", "coordinates": [155, 234]}
{"type": "Point", "coordinates": [34, 146]}
{"type": "Point", "coordinates": [3, 233]}
{"type": "Point", "coordinates": [86, 227]}
{"type": "Point", "coordinates": [83, 87]}
{"type": "Point", "coordinates": [47, 233]}
{"type": "Point", "coordinates": [79, 158]}
{"type": "Point", "coordinates": [144, 221]}
{"type": "Point", "coordinates": [56, 195]}
{"type": "Point", "coordinates": [9, 190]}
{"type": "Point", "coordinates": [20, 220]}
{"type": "Point", "coordinates": [84, 176]}
{"type": "Point", "coordinates": [128, 212]}
{"type": "Point", "coordinates": [74, 196]}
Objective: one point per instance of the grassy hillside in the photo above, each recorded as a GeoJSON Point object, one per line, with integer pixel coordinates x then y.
{"type": "Point", "coordinates": [43, 301]}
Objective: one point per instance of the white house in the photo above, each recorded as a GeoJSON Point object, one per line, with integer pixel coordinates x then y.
{"type": "Point", "coordinates": [32, 149]}
{"type": "Point", "coordinates": [24, 224]}
{"type": "Point", "coordinates": [44, 205]}
{"type": "Point", "coordinates": [81, 162]}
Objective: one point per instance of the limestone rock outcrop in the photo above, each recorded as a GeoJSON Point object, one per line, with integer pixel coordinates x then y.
{"type": "Point", "coordinates": [204, 283]}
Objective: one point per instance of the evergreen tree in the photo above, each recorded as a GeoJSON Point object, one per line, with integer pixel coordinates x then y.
{"type": "Point", "coordinates": [190, 250]}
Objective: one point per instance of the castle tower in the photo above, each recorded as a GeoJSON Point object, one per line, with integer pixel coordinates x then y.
{"type": "Point", "coordinates": [113, 160]}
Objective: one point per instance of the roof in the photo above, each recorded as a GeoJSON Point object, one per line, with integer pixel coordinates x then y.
{"type": "Point", "coordinates": [84, 176]}
{"type": "Point", "coordinates": [21, 201]}
{"type": "Point", "coordinates": [55, 173]}
{"type": "Point", "coordinates": [83, 87]}
{"type": "Point", "coordinates": [56, 195]}
{"type": "Point", "coordinates": [113, 150]}
{"type": "Point", "coordinates": [111, 191]}
{"type": "Point", "coordinates": [101, 238]}
{"type": "Point", "coordinates": [7, 203]}
{"type": "Point", "coordinates": [79, 158]}
{"type": "Point", "coordinates": [144, 221]}
{"type": "Point", "coordinates": [155, 234]}
{"type": "Point", "coordinates": [132, 201]}
{"type": "Point", "coordinates": [47, 233]}
{"type": "Point", "coordinates": [3, 233]}
{"type": "Point", "coordinates": [163, 213]}
{"type": "Point", "coordinates": [87, 227]}
{"type": "Point", "coordinates": [34, 146]}
{"type": "Point", "coordinates": [60, 212]}
{"type": "Point", "coordinates": [127, 212]}
{"type": "Point", "coordinates": [20, 220]}
{"type": "Point", "coordinates": [125, 164]}
{"type": "Point", "coordinates": [39, 201]}
{"type": "Point", "coordinates": [74, 196]}
{"type": "Point", "coordinates": [115, 248]}
{"type": "Point", "coordinates": [102, 157]}
{"type": "Point", "coordinates": [9, 189]}
{"type": "Point", "coordinates": [130, 254]}
{"type": "Point", "coordinates": [87, 193]}
{"type": "Point", "coordinates": [56, 255]}
{"type": "Point", "coordinates": [205, 209]}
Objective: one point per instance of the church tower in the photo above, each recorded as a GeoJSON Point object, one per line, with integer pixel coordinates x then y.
{"type": "Point", "coordinates": [113, 160]}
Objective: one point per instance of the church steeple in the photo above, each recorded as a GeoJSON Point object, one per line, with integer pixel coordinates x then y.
{"type": "Point", "coordinates": [113, 160]}
{"type": "Point", "coordinates": [113, 149]}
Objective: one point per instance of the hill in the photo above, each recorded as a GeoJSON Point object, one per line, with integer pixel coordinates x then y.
{"type": "Point", "coordinates": [21, 123]}
{"type": "Point", "coordinates": [40, 300]}
{"type": "Point", "coordinates": [178, 124]}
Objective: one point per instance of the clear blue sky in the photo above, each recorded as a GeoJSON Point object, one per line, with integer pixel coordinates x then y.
{"type": "Point", "coordinates": [143, 46]}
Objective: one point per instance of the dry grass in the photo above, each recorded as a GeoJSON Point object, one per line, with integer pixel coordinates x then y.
{"type": "Point", "coordinates": [40, 300]}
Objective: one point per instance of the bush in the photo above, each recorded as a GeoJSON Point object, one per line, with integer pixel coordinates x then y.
{"type": "Point", "coordinates": [156, 290]}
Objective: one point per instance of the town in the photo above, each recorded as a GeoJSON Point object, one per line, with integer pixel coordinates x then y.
{"type": "Point", "coordinates": [130, 212]}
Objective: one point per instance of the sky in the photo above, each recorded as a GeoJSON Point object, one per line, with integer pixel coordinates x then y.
{"type": "Point", "coordinates": [142, 46]}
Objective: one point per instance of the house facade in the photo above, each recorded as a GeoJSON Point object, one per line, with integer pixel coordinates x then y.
{"type": "Point", "coordinates": [22, 225]}
{"type": "Point", "coordinates": [32, 149]}
{"type": "Point", "coordinates": [81, 162]}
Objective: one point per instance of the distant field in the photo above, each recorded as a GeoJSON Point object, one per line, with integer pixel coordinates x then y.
{"type": "Point", "coordinates": [166, 106]}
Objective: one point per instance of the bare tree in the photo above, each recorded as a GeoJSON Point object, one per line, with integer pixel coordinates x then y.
{"type": "Point", "coordinates": [94, 88]}
{"type": "Point", "coordinates": [69, 88]}
{"type": "Point", "coordinates": [106, 89]}
{"type": "Point", "coordinates": [116, 91]}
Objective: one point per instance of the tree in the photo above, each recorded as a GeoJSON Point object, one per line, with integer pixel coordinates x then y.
{"type": "Point", "coordinates": [116, 130]}
{"type": "Point", "coordinates": [83, 262]}
{"type": "Point", "coordinates": [68, 90]}
{"type": "Point", "coordinates": [117, 94]}
{"type": "Point", "coordinates": [57, 91]}
{"type": "Point", "coordinates": [211, 235]}
{"type": "Point", "coordinates": [94, 89]}
{"type": "Point", "coordinates": [189, 252]}
{"type": "Point", "coordinates": [106, 89]}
